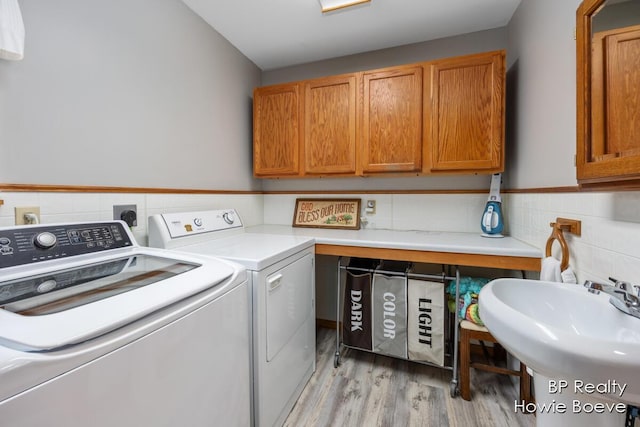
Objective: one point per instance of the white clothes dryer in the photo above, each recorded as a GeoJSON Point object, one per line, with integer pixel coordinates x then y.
{"type": "Point", "coordinates": [98, 331]}
{"type": "Point", "coordinates": [281, 271]}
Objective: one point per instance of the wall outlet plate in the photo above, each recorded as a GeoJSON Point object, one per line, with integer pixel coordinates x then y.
{"type": "Point", "coordinates": [370, 207]}
{"type": "Point", "coordinates": [119, 209]}
{"type": "Point", "coordinates": [21, 211]}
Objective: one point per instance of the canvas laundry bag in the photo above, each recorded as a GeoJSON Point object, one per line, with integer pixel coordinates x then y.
{"type": "Point", "coordinates": [356, 321]}
{"type": "Point", "coordinates": [390, 315]}
{"type": "Point", "coordinates": [425, 321]}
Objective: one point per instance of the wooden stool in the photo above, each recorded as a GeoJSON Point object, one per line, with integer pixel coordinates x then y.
{"type": "Point", "coordinates": [469, 331]}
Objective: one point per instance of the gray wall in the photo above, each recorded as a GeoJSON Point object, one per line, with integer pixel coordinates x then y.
{"type": "Point", "coordinates": [541, 95]}
{"type": "Point", "coordinates": [442, 48]}
{"type": "Point", "coordinates": [435, 49]}
{"type": "Point", "coordinates": [125, 93]}
{"type": "Point", "coordinates": [145, 93]}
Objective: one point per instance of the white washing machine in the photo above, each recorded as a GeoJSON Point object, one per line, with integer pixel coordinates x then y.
{"type": "Point", "coordinates": [98, 331]}
{"type": "Point", "coordinates": [281, 270]}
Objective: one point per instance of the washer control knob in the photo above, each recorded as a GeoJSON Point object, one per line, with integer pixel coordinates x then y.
{"type": "Point", "coordinates": [229, 217]}
{"type": "Point", "coordinates": [45, 240]}
{"type": "Point", "coordinates": [197, 222]}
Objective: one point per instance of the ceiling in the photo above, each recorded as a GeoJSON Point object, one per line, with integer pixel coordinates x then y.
{"type": "Point", "coordinates": [279, 33]}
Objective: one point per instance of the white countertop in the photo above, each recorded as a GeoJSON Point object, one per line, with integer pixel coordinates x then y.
{"type": "Point", "coordinates": [434, 241]}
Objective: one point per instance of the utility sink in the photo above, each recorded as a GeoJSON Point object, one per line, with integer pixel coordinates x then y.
{"type": "Point", "coordinates": [568, 337]}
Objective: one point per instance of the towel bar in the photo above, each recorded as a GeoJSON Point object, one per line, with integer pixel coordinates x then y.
{"type": "Point", "coordinates": [572, 226]}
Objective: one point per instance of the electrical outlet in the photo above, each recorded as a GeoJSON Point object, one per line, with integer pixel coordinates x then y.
{"type": "Point", "coordinates": [371, 207]}
{"type": "Point", "coordinates": [126, 213]}
{"type": "Point", "coordinates": [27, 215]}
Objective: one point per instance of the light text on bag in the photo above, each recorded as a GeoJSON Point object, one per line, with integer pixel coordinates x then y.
{"type": "Point", "coordinates": [356, 310]}
{"type": "Point", "coordinates": [424, 321]}
{"type": "Point", "coordinates": [389, 311]}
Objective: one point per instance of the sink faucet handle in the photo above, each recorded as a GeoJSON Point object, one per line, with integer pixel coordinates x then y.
{"type": "Point", "coordinates": [590, 284]}
{"type": "Point", "coordinates": [595, 287]}
{"type": "Point", "coordinates": [619, 283]}
{"type": "Point", "coordinates": [629, 299]}
{"type": "Point", "coordinates": [632, 300]}
{"type": "Point", "coordinates": [626, 286]}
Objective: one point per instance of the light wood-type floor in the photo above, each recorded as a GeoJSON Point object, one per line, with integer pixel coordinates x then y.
{"type": "Point", "coordinates": [373, 390]}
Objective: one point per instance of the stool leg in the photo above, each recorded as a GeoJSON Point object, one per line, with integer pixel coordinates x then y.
{"type": "Point", "coordinates": [499, 353]}
{"type": "Point", "coordinates": [465, 358]}
{"type": "Point", "coordinates": [525, 384]}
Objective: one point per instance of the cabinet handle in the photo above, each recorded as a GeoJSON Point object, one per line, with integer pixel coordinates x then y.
{"type": "Point", "coordinates": [274, 282]}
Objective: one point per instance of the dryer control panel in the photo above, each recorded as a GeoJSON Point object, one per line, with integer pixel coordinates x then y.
{"type": "Point", "coordinates": [30, 244]}
{"type": "Point", "coordinates": [190, 223]}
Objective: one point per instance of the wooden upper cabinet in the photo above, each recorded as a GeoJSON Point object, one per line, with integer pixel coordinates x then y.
{"type": "Point", "coordinates": [391, 139]}
{"type": "Point", "coordinates": [443, 116]}
{"type": "Point", "coordinates": [465, 115]}
{"type": "Point", "coordinates": [277, 115]}
{"type": "Point", "coordinates": [612, 152]}
{"type": "Point", "coordinates": [330, 125]}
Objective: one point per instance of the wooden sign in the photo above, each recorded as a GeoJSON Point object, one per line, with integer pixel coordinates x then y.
{"type": "Point", "coordinates": [327, 213]}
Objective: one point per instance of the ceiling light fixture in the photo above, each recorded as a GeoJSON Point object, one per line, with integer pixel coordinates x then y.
{"type": "Point", "coordinates": [331, 5]}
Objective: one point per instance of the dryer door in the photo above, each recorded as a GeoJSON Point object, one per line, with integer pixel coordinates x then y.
{"type": "Point", "coordinates": [289, 302]}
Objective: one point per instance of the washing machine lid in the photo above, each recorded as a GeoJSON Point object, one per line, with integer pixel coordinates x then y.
{"type": "Point", "coordinates": [69, 304]}
{"type": "Point", "coordinates": [255, 251]}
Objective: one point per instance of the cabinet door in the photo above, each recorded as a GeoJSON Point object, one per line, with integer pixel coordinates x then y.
{"type": "Point", "coordinates": [330, 125]}
{"type": "Point", "coordinates": [466, 113]}
{"type": "Point", "coordinates": [613, 151]}
{"type": "Point", "coordinates": [392, 120]}
{"type": "Point", "coordinates": [277, 113]}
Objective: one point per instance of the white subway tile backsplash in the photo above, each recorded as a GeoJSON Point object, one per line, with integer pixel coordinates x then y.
{"type": "Point", "coordinates": [626, 268]}
{"type": "Point", "coordinates": [602, 263]}
{"type": "Point", "coordinates": [383, 218]}
{"type": "Point", "coordinates": [608, 245]}
{"type": "Point", "coordinates": [53, 203]}
{"type": "Point", "coordinates": [435, 212]}
{"type": "Point", "coordinates": [570, 204]}
{"type": "Point", "coordinates": [581, 256]}
{"type": "Point", "coordinates": [79, 207]}
{"type": "Point", "coordinates": [249, 207]}
{"type": "Point", "coordinates": [158, 202]}
{"type": "Point", "coordinates": [610, 229]}
{"type": "Point", "coordinates": [626, 207]}
{"type": "Point", "coordinates": [17, 200]}
{"type": "Point", "coordinates": [107, 200]}
{"type": "Point", "coordinates": [278, 209]}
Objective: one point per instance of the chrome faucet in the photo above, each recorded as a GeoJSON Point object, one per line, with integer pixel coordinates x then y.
{"type": "Point", "coordinates": [624, 296]}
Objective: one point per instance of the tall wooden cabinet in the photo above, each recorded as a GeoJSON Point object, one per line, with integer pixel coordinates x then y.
{"type": "Point", "coordinates": [391, 138]}
{"type": "Point", "coordinates": [330, 125]}
{"type": "Point", "coordinates": [277, 116]}
{"type": "Point", "coordinates": [466, 113]}
{"type": "Point", "coordinates": [444, 116]}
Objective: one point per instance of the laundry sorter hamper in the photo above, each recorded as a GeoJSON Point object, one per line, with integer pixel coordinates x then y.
{"type": "Point", "coordinates": [389, 309]}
